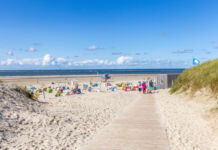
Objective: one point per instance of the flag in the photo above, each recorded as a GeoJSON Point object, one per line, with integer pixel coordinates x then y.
{"type": "Point", "coordinates": [196, 61]}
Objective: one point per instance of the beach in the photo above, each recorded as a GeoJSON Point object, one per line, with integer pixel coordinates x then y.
{"type": "Point", "coordinates": [109, 75]}
{"type": "Point", "coordinates": [189, 122]}
{"type": "Point", "coordinates": [72, 121]}
{"type": "Point", "coordinates": [66, 122]}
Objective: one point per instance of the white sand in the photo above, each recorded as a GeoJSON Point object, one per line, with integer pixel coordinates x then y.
{"type": "Point", "coordinates": [69, 122]}
{"type": "Point", "coordinates": [65, 122]}
{"type": "Point", "coordinates": [189, 122]}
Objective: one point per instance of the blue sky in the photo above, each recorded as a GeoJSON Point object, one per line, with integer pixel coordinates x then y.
{"type": "Point", "coordinates": [65, 34]}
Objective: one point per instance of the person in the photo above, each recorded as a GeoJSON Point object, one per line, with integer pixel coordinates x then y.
{"type": "Point", "coordinates": [155, 85]}
{"type": "Point", "coordinates": [150, 86]}
{"type": "Point", "coordinates": [76, 86]}
{"type": "Point", "coordinates": [144, 87]}
{"type": "Point", "coordinates": [140, 86]}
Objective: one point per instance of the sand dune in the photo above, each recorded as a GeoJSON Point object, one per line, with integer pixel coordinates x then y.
{"type": "Point", "coordinates": [187, 122]}
{"type": "Point", "coordinates": [65, 122]}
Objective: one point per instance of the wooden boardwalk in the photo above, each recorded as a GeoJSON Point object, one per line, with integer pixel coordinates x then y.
{"type": "Point", "coordinates": [137, 128]}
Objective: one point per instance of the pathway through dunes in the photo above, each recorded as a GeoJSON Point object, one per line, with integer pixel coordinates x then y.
{"type": "Point", "coordinates": [138, 128]}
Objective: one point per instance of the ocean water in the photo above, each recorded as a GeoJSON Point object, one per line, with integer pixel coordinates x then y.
{"type": "Point", "coordinates": [87, 72]}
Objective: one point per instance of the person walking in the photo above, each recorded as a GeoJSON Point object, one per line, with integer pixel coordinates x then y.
{"type": "Point", "coordinates": [144, 87]}
{"type": "Point", "coordinates": [140, 86]}
{"type": "Point", "coordinates": [151, 86]}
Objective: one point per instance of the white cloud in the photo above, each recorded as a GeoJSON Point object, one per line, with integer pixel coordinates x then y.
{"type": "Point", "coordinates": [96, 62]}
{"type": "Point", "coordinates": [29, 61]}
{"type": "Point", "coordinates": [124, 60]}
{"type": "Point", "coordinates": [10, 53]}
{"type": "Point", "coordinates": [10, 61]}
{"type": "Point", "coordinates": [61, 60]}
{"type": "Point", "coordinates": [93, 47]}
{"type": "Point", "coordinates": [185, 51]}
{"type": "Point", "coordinates": [31, 49]}
{"type": "Point", "coordinates": [49, 61]}
{"type": "Point", "coordinates": [53, 63]}
{"type": "Point", "coordinates": [46, 59]}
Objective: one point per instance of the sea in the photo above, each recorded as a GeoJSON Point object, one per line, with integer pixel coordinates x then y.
{"type": "Point", "coordinates": [87, 72]}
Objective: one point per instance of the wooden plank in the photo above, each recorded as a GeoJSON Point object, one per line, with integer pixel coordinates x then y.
{"type": "Point", "coordinates": [133, 130]}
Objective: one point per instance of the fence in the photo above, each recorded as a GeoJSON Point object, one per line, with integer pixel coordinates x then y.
{"type": "Point", "coordinates": [165, 81]}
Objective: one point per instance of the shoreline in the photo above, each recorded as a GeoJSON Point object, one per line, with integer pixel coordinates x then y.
{"type": "Point", "coordinates": [83, 75]}
{"type": "Point", "coordinates": [90, 72]}
{"type": "Point", "coordinates": [80, 78]}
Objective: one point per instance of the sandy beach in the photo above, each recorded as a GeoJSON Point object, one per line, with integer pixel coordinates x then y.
{"type": "Point", "coordinates": [44, 80]}
{"type": "Point", "coordinates": [72, 121]}
{"type": "Point", "coordinates": [189, 122]}
{"type": "Point", "coordinates": [65, 122]}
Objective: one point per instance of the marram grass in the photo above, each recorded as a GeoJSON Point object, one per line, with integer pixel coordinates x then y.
{"type": "Point", "coordinates": [204, 75]}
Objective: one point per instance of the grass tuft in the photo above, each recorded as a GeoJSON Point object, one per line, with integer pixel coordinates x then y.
{"type": "Point", "coordinates": [26, 92]}
{"type": "Point", "coordinates": [204, 75]}
{"type": "Point", "coordinates": [214, 109]}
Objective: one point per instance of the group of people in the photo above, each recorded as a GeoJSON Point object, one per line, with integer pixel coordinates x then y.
{"type": "Point", "coordinates": [146, 87]}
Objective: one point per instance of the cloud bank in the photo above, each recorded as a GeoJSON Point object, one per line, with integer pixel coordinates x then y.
{"type": "Point", "coordinates": [47, 61]}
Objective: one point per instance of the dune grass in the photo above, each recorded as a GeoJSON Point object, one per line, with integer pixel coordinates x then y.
{"type": "Point", "coordinates": [204, 75]}
{"type": "Point", "coordinates": [1, 81]}
{"type": "Point", "coordinates": [24, 91]}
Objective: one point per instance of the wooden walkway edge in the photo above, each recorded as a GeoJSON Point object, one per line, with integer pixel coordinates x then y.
{"type": "Point", "coordinates": [137, 128]}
